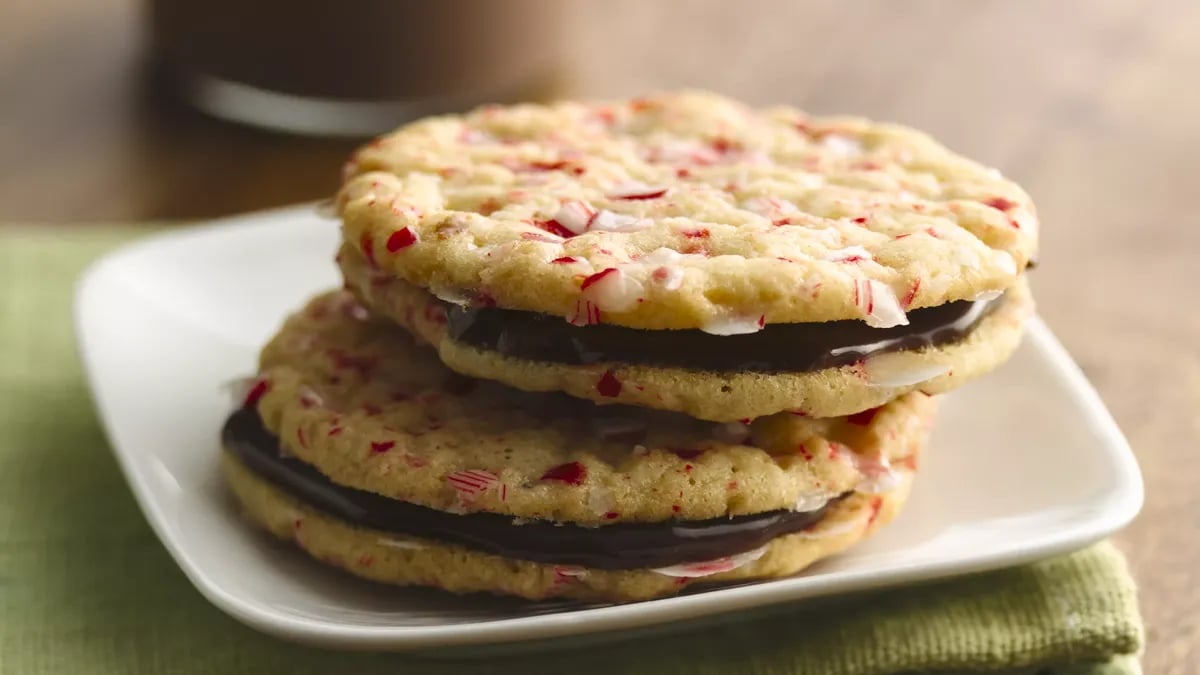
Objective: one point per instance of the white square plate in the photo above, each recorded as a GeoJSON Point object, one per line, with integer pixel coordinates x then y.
{"type": "Point", "coordinates": [1025, 463]}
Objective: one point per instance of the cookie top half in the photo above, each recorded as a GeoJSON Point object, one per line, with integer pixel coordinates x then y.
{"type": "Point", "coordinates": [684, 210]}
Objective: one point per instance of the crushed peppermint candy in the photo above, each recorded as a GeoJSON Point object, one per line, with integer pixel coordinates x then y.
{"type": "Point", "coordinates": [402, 239]}
{"type": "Point", "coordinates": [571, 473]}
{"type": "Point", "coordinates": [609, 386]}
{"type": "Point", "coordinates": [840, 144]}
{"type": "Point", "coordinates": [669, 277]}
{"type": "Point", "coordinates": [732, 432]}
{"type": "Point", "coordinates": [404, 544]}
{"type": "Point", "coordinates": [878, 304]}
{"type": "Point", "coordinates": [850, 254]}
{"type": "Point", "coordinates": [586, 313]}
{"type": "Point", "coordinates": [735, 325]}
{"type": "Point", "coordinates": [897, 369]}
{"type": "Point", "coordinates": [612, 290]}
{"type": "Point", "coordinates": [811, 502]}
{"type": "Point", "coordinates": [877, 474]}
{"type": "Point", "coordinates": [574, 216]}
{"type": "Point", "coordinates": [635, 191]}
{"type": "Point", "coordinates": [1004, 261]}
{"type": "Point", "coordinates": [472, 483]}
{"type": "Point", "coordinates": [608, 221]}
{"type": "Point", "coordinates": [710, 567]}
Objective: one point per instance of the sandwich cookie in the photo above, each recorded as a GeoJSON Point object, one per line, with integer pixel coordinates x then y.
{"type": "Point", "coordinates": [362, 448]}
{"type": "Point", "coordinates": [687, 253]}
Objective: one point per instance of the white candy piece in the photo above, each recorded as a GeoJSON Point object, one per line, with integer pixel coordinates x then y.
{"type": "Point", "coordinates": [637, 191]}
{"type": "Point", "coordinates": [734, 325]}
{"type": "Point", "coordinates": [1004, 261]}
{"type": "Point", "coordinates": [878, 304]}
{"type": "Point", "coordinates": [661, 256]}
{"type": "Point", "coordinates": [770, 207]}
{"type": "Point", "coordinates": [811, 502]}
{"type": "Point", "coordinates": [849, 254]}
{"type": "Point", "coordinates": [710, 567]}
{"type": "Point", "coordinates": [476, 137]}
{"type": "Point", "coordinates": [987, 296]}
{"type": "Point", "coordinates": [575, 216]}
{"type": "Point", "coordinates": [400, 543]}
{"type": "Point", "coordinates": [673, 152]}
{"type": "Point", "coordinates": [877, 474]}
{"type": "Point", "coordinates": [732, 432]}
{"type": "Point", "coordinates": [454, 296]}
{"type": "Point", "coordinates": [896, 369]}
{"type": "Point", "coordinates": [607, 221]}
{"type": "Point", "coordinates": [842, 145]}
{"type": "Point", "coordinates": [613, 291]}
{"type": "Point", "coordinates": [310, 398]}
{"type": "Point", "coordinates": [1025, 220]}
{"type": "Point", "coordinates": [600, 500]}
{"type": "Point", "coordinates": [669, 277]}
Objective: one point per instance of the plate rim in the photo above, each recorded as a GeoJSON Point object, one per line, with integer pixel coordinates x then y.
{"type": "Point", "coordinates": [1116, 510]}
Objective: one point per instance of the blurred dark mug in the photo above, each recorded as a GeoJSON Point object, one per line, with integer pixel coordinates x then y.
{"type": "Point", "coordinates": [354, 67]}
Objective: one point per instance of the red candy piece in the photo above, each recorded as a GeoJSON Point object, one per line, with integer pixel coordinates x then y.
{"type": "Point", "coordinates": [368, 248]}
{"type": "Point", "coordinates": [469, 484]}
{"type": "Point", "coordinates": [378, 447]}
{"type": "Point", "coordinates": [876, 505]}
{"type": "Point", "coordinates": [401, 239]}
{"type": "Point", "coordinates": [554, 227]}
{"type": "Point", "coordinates": [912, 293]}
{"type": "Point", "coordinates": [256, 392]}
{"type": "Point", "coordinates": [597, 277]}
{"type": "Point", "coordinates": [547, 166]}
{"type": "Point", "coordinates": [572, 473]}
{"type": "Point", "coordinates": [1000, 204]}
{"type": "Point", "coordinates": [609, 385]}
{"type": "Point", "coordinates": [586, 313]}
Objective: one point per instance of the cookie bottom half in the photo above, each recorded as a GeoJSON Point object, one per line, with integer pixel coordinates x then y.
{"type": "Point", "coordinates": [406, 561]}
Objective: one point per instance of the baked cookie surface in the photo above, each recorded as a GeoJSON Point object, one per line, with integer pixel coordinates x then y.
{"type": "Point", "coordinates": [684, 211]}
{"type": "Point", "coordinates": [845, 386]}
{"type": "Point", "coordinates": [356, 398]}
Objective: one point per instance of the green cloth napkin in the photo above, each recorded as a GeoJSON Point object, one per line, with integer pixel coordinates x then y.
{"type": "Point", "coordinates": [85, 587]}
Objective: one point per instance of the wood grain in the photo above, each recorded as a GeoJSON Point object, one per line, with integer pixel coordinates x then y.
{"type": "Point", "coordinates": [1094, 107]}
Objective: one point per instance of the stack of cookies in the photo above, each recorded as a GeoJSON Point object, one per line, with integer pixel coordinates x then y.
{"type": "Point", "coordinates": [609, 351]}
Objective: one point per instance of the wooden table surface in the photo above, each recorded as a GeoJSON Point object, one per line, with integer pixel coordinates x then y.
{"type": "Point", "coordinates": [1094, 107]}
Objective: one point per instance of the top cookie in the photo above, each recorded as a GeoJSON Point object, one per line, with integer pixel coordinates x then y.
{"type": "Point", "coordinates": [684, 211]}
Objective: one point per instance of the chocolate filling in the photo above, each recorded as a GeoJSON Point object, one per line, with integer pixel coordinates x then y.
{"type": "Point", "coordinates": [618, 546]}
{"type": "Point", "coordinates": [784, 347]}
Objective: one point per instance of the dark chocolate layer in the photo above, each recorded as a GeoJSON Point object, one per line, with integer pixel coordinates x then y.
{"type": "Point", "coordinates": [618, 546]}
{"type": "Point", "coordinates": [785, 347]}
